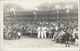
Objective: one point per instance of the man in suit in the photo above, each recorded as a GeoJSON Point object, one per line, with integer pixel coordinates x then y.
{"type": "Point", "coordinates": [67, 38]}
{"type": "Point", "coordinates": [75, 36]}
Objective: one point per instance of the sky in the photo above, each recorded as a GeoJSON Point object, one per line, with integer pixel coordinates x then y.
{"type": "Point", "coordinates": [31, 4]}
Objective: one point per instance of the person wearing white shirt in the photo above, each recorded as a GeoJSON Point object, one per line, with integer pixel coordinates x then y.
{"type": "Point", "coordinates": [56, 27]}
{"type": "Point", "coordinates": [56, 32]}
{"type": "Point", "coordinates": [44, 31]}
{"type": "Point", "coordinates": [39, 32]}
{"type": "Point", "coordinates": [19, 34]}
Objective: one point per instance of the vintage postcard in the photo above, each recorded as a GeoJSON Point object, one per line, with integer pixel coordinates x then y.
{"type": "Point", "coordinates": [48, 24]}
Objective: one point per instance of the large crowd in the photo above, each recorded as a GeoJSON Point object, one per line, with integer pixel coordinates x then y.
{"type": "Point", "coordinates": [60, 31]}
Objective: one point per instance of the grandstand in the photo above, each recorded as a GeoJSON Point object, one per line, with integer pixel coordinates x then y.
{"type": "Point", "coordinates": [42, 15]}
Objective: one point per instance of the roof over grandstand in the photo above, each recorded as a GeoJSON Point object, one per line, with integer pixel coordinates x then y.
{"type": "Point", "coordinates": [26, 8]}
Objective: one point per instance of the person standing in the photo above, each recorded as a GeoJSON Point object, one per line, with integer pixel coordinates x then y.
{"type": "Point", "coordinates": [44, 31]}
{"type": "Point", "coordinates": [55, 33]}
{"type": "Point", "coordinates": [75, 37]}
{"type": "Point", "coordinates": [39, 32]}
{"type": "Point", "coordinates": [67, 38]}
{"type": "Point", "coordinates": [19, 34]}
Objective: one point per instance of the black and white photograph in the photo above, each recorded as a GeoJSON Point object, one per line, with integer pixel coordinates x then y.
{"type": "Point", "coordinates": [40, 24]}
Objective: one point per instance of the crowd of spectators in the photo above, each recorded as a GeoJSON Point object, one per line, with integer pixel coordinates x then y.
{"type": "Point", "coordinates": [31, 26]}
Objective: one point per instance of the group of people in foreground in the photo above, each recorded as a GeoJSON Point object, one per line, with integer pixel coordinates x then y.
{"type": "Point", "coordinates": [59, 35]}
{"type": "Point", "coordinates": [59, 32]}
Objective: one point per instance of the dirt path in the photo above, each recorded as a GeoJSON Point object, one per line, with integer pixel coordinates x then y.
{"type": "Point", "coordinates": [32, 43]}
